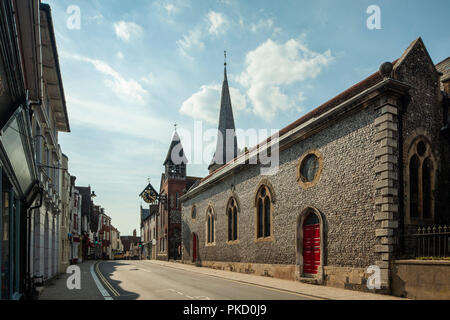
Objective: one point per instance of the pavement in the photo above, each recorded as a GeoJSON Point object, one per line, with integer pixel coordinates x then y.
{"type": "Point", "coordinates": [161, 280]}
{"type": "Point", "coordinates": [57, 289]}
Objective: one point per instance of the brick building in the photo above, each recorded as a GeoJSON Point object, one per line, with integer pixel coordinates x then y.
{"type": "Point", "coordinates": [174, 183]}
{"type": "Point", "coordinates": [357, 176]}
{"type": "Point", "coordinates": [128, 242]}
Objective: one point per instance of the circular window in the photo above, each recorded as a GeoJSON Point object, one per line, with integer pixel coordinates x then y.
{"type": "Point", "coordinates": [194, 212]}
{"type": "Point", "coordinates": [309, 168]}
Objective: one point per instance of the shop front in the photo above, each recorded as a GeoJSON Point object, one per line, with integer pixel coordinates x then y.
{"type": "Point", "coordinates": [18, 185]}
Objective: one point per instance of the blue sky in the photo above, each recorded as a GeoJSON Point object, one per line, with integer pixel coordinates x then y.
{"type": "Point", "coordinates": [134, 68]}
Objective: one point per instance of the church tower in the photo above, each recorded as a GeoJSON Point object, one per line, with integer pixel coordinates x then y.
{"type": "Point", "coordinates": [175, 163]}
{"type": "Point", "coordinates": [226, 149]}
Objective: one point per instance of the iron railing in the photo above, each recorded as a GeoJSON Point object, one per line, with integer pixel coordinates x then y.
{"type": "Point", "coordinates": [432, 241]}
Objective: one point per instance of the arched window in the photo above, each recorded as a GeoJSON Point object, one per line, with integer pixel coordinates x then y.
{"type": "Point", "coordinates": [232, 215]}
{"type": "Point", "coordinates": [263, 213]}
{"type": "Point", "coordinates": [421, 179]}
{"type": "Point", "coordinates": [210, 226]}
{"type": "Point", "coordinates": [194, 212]}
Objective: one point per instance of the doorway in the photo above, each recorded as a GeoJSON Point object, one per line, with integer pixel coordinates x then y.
{"type": "Point", "coordinates": [311, 244]}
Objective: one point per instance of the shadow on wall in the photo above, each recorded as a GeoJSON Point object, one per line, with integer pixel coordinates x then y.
{"type": "Point", "coordinates": [187, 235]}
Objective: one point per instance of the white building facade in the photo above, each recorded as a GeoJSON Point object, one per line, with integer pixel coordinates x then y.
{"type": "Point", "coordinates": [48, 119]}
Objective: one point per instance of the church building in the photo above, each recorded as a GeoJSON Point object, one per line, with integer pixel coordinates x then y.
{"type": "Point", "coordinates": [357, 177]}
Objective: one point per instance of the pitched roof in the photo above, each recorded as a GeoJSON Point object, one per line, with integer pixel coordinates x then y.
{"type": "Point", "coordinates": [226, 121]}
{"type": "Point", "coordinates": [345, 95]}
{"type": "Point", "coordinates": [174, 143]}
{"type": "Point", "coordinates": [444, 68]}
{"type": "Point", "coordinates": [359, 87]}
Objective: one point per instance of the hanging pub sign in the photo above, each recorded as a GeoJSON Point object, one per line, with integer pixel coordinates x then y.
{"type": "Point", "coordinates": [149, 194]}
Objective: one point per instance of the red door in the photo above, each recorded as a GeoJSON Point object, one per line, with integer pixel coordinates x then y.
{"type": "Point", "coordinates": [311, 248]}
{"type": "Point", "coordinates": [194, 247]}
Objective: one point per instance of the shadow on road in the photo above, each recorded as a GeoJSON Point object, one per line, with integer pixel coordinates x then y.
{"type": "Point", "coordinates": [107, 268]}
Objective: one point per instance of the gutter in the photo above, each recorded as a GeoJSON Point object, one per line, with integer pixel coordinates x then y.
{"type": "Point", "coordinates": [305, 127]}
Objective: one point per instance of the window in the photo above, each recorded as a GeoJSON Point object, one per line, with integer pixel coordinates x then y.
{"type": "Point", "coordinates": [194, 212]}
{"type": "Point", "coordinates": [210, 226]}
{"type": "Point", "coordinates": [421, 180]}
{"type": "Point", "coordinates": [309, 168]}
{"type": "Point", "coordinates": [263, 213]}
{"type": "Point", "coordinates": [232, 216]}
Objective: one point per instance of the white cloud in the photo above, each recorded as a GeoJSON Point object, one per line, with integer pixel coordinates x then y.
{"type": "Point", "coordinates": [126, 30]}
{"type": "Point", "coordinates": [98, 19]}
{"type": "Point", "coordinates": [119, 55]}
{"type": "Point", "coordinates": [123, 88]}
{"type": "Point", "coordinates": [272, 66]}
{"type": "Point", "coordinates": [149, 79]}
{"type": "Point", "coordinates": [190, 41]}
{"type": "Point", "coordinates": [262, 24]}
{"type": "Point", "coordinates": [170, 8]}
{"type": "Point", "coordinates": [205, 103]}
{"type": "Point", "coordinates": [116, 118]}
{"type": "Point", "coordinates": [218, 23]}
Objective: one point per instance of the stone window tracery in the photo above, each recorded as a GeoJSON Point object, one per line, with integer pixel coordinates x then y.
{"type": "Point", "coordinates": [210, 223]}
{"type": "Point", "coordinates": [232, 217]}
{"type": "Point", "coordinates": [263, 213]}
{"type": "Point", "coordinates": [421, 175]}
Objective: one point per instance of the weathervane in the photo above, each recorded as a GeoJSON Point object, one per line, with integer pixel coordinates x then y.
{"type": "Point", "coordinates": [225, 56]}
{"type": "Point", "coordinates": [175, 125]}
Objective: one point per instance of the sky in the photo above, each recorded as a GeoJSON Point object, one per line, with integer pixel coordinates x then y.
{"type": "Point", "coordinates": [132, 69]}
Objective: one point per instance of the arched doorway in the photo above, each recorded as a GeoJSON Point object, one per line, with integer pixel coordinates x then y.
{"type": "Point", "coordinates": [311, 244]}
{"type": "Point", "coordinates": [194, 247]}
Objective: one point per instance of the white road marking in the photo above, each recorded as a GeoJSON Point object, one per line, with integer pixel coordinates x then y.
{"type": "Point", "coordinates": [99, 285]}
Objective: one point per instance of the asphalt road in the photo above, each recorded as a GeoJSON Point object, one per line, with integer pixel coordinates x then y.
{"type": "Point", "coordinates": [136, 280]}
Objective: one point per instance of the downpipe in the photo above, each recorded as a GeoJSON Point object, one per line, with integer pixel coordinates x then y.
{"type": "Point", "coordinates": [29, 292]}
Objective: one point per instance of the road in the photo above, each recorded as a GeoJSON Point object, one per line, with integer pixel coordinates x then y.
{"type": "Point", "coordinates": [138, 280]}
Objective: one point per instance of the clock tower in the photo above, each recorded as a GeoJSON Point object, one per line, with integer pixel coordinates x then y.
{"type": "Point", "coordinates": [175, 162]}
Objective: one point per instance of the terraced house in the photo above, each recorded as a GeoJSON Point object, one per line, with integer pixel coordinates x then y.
{"type": "Point", "coordinates": [48, 120]}
{"type": "Point", "coordinates": [357, 177]}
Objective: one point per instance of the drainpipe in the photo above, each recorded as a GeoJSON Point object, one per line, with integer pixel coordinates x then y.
{"type": "Point", "coordinates": [28, 283]}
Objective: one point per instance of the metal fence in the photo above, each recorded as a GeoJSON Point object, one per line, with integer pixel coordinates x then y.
{"type": "Point", "coordinates": [433, 241]}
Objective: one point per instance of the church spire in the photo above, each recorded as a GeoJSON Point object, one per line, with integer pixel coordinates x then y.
{"type": "Point", "coordinates": [226, 148]}
{"type": "Point", "coordinates": [175, 162]}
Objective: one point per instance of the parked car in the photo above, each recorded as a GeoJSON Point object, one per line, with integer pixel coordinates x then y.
{"type": "Point", "coordinates": [118, 255]}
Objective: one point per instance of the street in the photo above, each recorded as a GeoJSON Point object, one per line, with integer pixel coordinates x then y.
{"type": "Point", "coordinates": [134, 279]}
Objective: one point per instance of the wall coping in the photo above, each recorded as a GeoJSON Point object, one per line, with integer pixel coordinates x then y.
{"type": "Point", "coordinates": [423, 262]}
